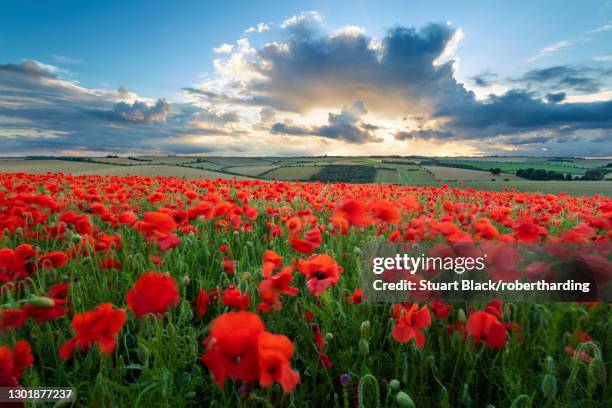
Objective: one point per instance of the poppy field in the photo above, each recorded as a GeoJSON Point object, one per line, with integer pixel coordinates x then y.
{"type": "Point", "coordinates": [160, 291]}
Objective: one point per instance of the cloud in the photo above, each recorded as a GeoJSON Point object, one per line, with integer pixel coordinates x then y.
{"type": "Point", "coordinates": [556, 97]}
{"type": "Point", "coordinates": [566, 44]}
{"type": "Point", "coordinates": [346, 126]}
{"type": "Point", "coordinates": [581, 79]}
{"type": "Point", "coordinates": [141, 112]}
{"type": "Point", "coordinates": [224, 48]}
{"type": "Point", "coordinates": [603, 58]}
{"type": "Point", "coordinates": [484, 79]}
{"type": "Point", "coordinates": [259, 28]}
{"type": "Point", "coordinates": [31, 68]}
{"type": "Point", "coordinates": [314, 83]}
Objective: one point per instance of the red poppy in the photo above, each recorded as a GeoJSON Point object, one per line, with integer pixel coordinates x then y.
{"type": "Point", "coordinates": [274, 359]}
{"type": "Point", "coordinates": [156, 225]}
{"type": "Point", "coordinates": [53, 260]}
{"type": "Point", "coordinates": [14, 362]}
{"type": "Point", "coordinates": [153, 292]}
{"type": "Point", "coordinates": [229, 265]}
{"type": "Point", "coordinates": [356, 297]}
{"type": "Point", "coordinates": [202, 302]}
{"type": "Point", "coordinates": [486, 326]}
{"type": "Point", "coordinates": [441, 309]}
{"type": "Point", "coordinates": [233, 298]}
{"type": "Point", "coordinates": [100, 325]}
{"type": "Point", "coordinates": [410, 322]}
{"type": "Point", "coordinates": [231, 350]}
{"type": "Point", "coordinates": [321, 271]}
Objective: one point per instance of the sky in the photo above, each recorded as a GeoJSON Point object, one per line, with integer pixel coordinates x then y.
{"type": "Point", "coordinates": [278, 78]}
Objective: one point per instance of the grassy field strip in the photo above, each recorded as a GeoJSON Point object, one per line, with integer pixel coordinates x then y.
{"type": "Point", "coordinates": [387, 176]}
{"type": "Point", "coordinates": [292, 173]}
{"type": "Point", "coordinates": [250, 170]}
{"type": "Point", "coordinates": [451, 174]}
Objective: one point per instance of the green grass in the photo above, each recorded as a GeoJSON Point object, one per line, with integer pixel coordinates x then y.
{"type": "Point", "coordinates": [292, 172]}
{"type": "Point", "coordinates": [387, 176]}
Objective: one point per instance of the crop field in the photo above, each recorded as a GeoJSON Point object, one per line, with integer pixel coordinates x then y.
{"type": "Point", "coordinates": [45, 166]}
{"type": "Point", "coordinates": [586, 188]}
{"type": "Point", "coordinates": [292, 173]}
{"type": "Point", "coordinates": [410, 174]}
{"type": "Point", "coordinates": [449, 173]}
{"type": "Point", "coordinates": [387, 176]}
{"type": "Point", "coordinates": [146, 291]}
{"type": "Point", "coordinates": [250, 170]}
{"type": "Point", "coordinates": [512, 167]}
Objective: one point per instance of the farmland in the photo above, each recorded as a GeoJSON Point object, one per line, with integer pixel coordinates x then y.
{"type": "Point", "coordinates": [408, 171]}
{"type": "Point", "coordinates": [147, 291]}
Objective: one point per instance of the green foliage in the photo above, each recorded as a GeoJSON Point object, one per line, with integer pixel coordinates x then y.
{"type": "Point", "coordinates": [341, 173]}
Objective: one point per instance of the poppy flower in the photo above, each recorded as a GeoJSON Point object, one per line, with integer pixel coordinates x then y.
{"type": "Point", "coordinates": [356, 297]}
{"type": "Point", "coordinates": [233, 298]}
{"type": "Point", "coordinates": [53, 260]}
{"type": "Point", "coordinates": [153, 292]}
{"type": "Point", "coordinates": [441, 309]}
{"type": "Point", "coordinates": [14, 362]}
{"type": "Point", "coordinates": [231, 348]}
{"type": "Point", "coordinates": [202, 302]}
{"type": "Point", "coordinates": [229, 265]}
{"type": "Point", "coordinates": [484, 326]}
{"type": "Point", "coordinates": [100, 326]}
{"type": "Point", "coordinates": [321, 271]}
{"type": "Point", "coordinates": [274, 353]}
{"type": "Point", "coordinates": [409, 324]}
{"type": "Point", "coordinates": [156, 225]}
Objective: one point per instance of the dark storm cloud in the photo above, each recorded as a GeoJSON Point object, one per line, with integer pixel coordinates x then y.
{"type": "Point", "coordinates": [29, 68]}
{"type": "Point", "coordinates": [555, 97]}
{"type": "Point", "coordinates": [39, 111]}
{"type": "Point", "coordinates": [484, 79]}
{"type": "Point", "coordinates": [397, 74]}
{"type": "Point", "coordinates": [345, 126]}
{"type": "Point", "coordinates": [565, 77]}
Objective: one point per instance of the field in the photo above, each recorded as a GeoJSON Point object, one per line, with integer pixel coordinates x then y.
{"type": "Point", "coordinates": [455, 174]}
{"type": "Point", "coordinates": [410, 170]}
{"type": "Point", "coordinates": [293, 173]}
{"type": "Point", "coordinates": [140, 291]}
{"type": "Point", "coordinates": [250, 170]}
{"type": "Point", "coordinates": [387, 176]}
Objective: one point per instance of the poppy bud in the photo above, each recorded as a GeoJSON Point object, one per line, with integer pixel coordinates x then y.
{"type": "Point", "coordinates": [246, 276]}
{"type": "Point", "coordinates": [431, 359]}
{"type": "Point", "coordinates": [76, 239]}
{"type": "Point", "coordinates": [394, 384]}
{"type": "Point", "coordinates": [365, 329]}
{"type": "Point", "coordinates": [549, 386]}
{"type": "Point", "coordinates": [461, 315]}
{"type": "Point", "coordinates": [329, 336]}
{"type": "Point", "coordinates": [6, 232]}
{"type": "Point", "coordinates": [86, 261]}
{"type": "Point", "coordinates": [41, 301]}
{"type": "Point", "coordinates": [142, 353]}
{"type": "Point", "coordinates": [549, 365]}
{"type": "Point", "coordinates": [186, 280]}
{"type": "Point", "coordinates": [364, 346]}
{"type": "Point", "coordinates": [190, 395]}
{"type": "Point", "coordinates": [404, 400]}
{"type": "Point", "coordinates": [171, 329]}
